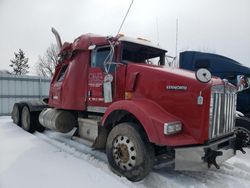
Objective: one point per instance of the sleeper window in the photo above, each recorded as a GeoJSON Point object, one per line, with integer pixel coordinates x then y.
{"type": "Point", "coordinates": [62, 73]}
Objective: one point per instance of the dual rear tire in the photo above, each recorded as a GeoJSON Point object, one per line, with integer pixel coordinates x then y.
{"type": "Point", "coordinates": [16, 114]}
{"type": "Point", "coordinates": [26, 119]}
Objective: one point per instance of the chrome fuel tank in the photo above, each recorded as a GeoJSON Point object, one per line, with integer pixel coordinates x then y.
{"type": "Point", "coordinates": [58, 120]}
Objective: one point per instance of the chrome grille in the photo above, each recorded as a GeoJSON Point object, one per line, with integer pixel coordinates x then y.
{"type": "Point", "coordinates": [222, 111]}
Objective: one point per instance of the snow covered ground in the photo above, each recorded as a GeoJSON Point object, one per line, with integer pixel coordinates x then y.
{"type": "Point", "coordinates": [51, 160]}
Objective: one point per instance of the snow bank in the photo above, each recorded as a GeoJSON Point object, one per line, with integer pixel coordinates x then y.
{"type": "Point", "coordinates": [52, 160]}
{"type": "Point", "coordinates": [27, 161]}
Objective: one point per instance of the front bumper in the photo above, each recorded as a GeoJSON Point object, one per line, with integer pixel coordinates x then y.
{"type": "Point", "coordinates": [194, 158]}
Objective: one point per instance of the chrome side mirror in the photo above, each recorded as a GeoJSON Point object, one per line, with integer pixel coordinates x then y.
{"type": "Point", "coordinates": [242, 83]}
{"type": "Point", "coordinates": [203, 75]}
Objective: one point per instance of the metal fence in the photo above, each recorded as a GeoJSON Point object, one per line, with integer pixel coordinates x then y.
{"type": "Point", "coordinates": [18, 88]}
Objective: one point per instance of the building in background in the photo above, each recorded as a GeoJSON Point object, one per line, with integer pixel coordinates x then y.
{"type": "Point", "coordinates": [17, 88]}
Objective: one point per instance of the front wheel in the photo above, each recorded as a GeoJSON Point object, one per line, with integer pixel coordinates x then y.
{"type": "Point", "coordinates": [129, 153]}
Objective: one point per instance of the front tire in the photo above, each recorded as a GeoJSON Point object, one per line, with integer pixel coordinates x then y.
{"type": "Point", "coordinates": [27, 120]}
{"type": "Point", "coordinates": [129, 152]}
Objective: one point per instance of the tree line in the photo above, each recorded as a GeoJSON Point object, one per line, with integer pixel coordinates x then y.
{"type": "Point", "coordinates": [44, 66]}
{"type": "Point", "coordinates": [46, 63]}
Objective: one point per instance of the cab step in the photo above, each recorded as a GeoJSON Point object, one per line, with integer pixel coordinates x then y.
{"type": "Point", "coordinates": [90, 133]}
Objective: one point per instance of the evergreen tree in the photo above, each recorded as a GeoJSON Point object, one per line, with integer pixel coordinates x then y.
{"type": "Point", "coordinates": [19, 63]}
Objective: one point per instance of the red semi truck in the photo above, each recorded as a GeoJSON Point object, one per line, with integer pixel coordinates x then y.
{"type": "Point", "coordinates": [116, 93]}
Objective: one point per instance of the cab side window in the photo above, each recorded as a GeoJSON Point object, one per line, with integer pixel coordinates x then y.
{"type": "Point", "coordinates": [98, 57]}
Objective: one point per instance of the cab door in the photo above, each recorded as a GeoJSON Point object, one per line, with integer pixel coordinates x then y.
{"type": "Point", "coordinates": [96, 102]}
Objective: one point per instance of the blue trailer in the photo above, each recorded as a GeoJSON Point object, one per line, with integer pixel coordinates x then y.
{"type": "Point", "coordinates": [224, 68]}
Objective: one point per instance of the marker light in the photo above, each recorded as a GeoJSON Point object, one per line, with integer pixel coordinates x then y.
{"type": "Point", "coordinates": [128, 95]}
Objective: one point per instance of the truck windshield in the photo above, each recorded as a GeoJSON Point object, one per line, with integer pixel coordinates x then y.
{"type": "Point", "coordinates": [137, 53]}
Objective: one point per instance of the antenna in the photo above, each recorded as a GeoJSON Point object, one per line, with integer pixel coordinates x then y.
{"type": "Point", "coordinates": [125, 16]}
{"type": "Point", "coordinates": [176, 38]}
{"type": "Point", "coordinates": [157, 31]}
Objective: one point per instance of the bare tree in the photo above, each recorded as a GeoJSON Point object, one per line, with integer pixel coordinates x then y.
{"type": "Point", "coordinates": [20, 63]}
{"type": "Point", "coordinates": [46, 64]}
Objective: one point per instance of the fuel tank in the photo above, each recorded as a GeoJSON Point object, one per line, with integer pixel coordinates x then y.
{"type": "Point", "coordinates": [58, 120]}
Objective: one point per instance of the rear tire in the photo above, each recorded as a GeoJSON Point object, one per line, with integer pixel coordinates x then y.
{"type": "Point", "coordinates": [28, 120]}
{"type": "Point", "coordinates": [39, 127]}
{"type": "Point", "coordinates": [242, 131]}
{"type": "Point", "coordinates": [129, 153]}
{"type": "Point", "coordinates": [16, 114]}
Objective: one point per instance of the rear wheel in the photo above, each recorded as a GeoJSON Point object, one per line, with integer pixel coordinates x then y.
{"type": "Point", "coordinates": [27, 120]}
{"type": "Point", "coordinates": [129, 153]}
{"type": "Point", "coordinates": [15, 115]}
{"type": "Point", "coordinates": [39, 127]}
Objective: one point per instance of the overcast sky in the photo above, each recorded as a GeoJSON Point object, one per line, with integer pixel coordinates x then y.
{"type": "Point", "coordinates": [221, 26]}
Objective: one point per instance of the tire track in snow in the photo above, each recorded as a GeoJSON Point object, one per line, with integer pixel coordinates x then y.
{"type": "Point", "coordinates": [234, 171]}
{"type": "Point", "coordinates": [223, 177]}
{"type": "Point", "coordinates": [98, 159]}
{"type": "Point", "coordinates": [158, 178]}
{"type": "Point", "coordinates": [63, 143]}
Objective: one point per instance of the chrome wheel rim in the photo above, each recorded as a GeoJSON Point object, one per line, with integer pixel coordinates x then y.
{"type": "Point", "coordinates": [124, 152]}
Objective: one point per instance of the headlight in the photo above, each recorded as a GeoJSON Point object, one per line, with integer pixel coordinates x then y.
{"type": "Point", "coordinates": [172, 127]}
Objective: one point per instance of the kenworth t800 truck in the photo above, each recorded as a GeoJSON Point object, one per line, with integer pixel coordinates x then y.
{"type": "Point", "coordinates": [115, 93]}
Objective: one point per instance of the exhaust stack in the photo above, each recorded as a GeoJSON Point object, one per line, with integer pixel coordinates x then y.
{"type": "Point", "coordinates": [58, 38]}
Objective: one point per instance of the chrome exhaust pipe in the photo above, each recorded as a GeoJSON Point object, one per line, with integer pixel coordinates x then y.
{"type": "Point", "coordinates": [58, 38]}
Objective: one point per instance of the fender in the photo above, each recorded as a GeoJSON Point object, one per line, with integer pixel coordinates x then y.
{"type": "Point", "coordinates": [151, 115]}
{"type": "Point", "coordinates": [34, 105]}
